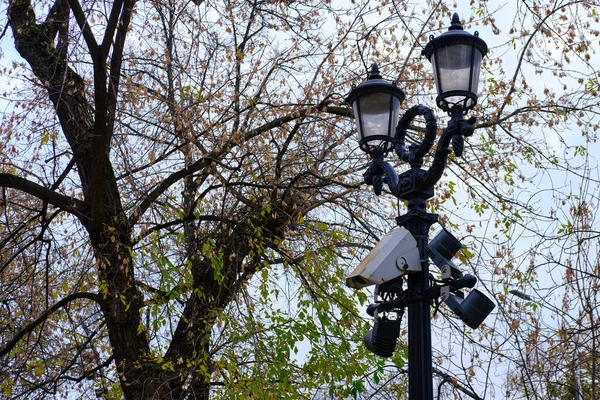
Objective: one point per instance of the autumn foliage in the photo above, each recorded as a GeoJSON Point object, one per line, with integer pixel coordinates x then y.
{"type": "Point", "coordinates": [181, 197]}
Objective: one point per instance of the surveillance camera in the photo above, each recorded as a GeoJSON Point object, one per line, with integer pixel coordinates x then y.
{"type": "Point", "coordinates": [442, 248]}
{"type": "Point", "coordinates": [473, 309]}
{"type": "Point", "coordinates": [395, 254]}
{"type": "Point", "coordinates": [382, 339]}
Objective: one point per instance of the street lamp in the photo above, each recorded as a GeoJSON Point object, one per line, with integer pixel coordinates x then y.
{"type": "Point", "coordinates": [456, 57]}
{"type": "Point", "coordinates": [376, 106]}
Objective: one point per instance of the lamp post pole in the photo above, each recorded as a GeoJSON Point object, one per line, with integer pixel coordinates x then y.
{"type": "Point", "coordinates": [456, 57]}
{"type": "Point", "coordinates": [420, 377]}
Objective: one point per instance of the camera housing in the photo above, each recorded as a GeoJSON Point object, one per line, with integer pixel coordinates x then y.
{"type": "Point", "coordinates": [382, 339]}
{"type": "Point", "coordinates": [395, 255]}
{"type": "Point", "coordinates": [473, 309]}
{"type": "Point", "coordinates": [442, 248]}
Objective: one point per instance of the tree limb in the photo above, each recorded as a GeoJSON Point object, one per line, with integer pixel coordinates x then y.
{"type": "Point", "coordinates": [454, 382]}
{"type": "Point", "coordinates": [86, 30]}
{"type": "Point", "coordinates": [111, 26]}
{"type": "Point", "coordinates": [73, 206]}
{"type": "Point", "coordinates": [57, 306]}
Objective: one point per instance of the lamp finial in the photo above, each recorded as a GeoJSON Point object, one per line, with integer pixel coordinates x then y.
{"type": "Point", "coordinates": [374, 72]}
{"type": "Point", "coordinates": [455, 24]}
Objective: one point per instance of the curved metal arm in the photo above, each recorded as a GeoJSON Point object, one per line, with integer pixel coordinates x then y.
{"type": "Point", "coordinates": [428, 139]}
{"type": "Point", "coordinates": [457, 128]}
{"type": "Point", "coordinates": [380, 172]}
{"type": "Point", "coordinates": [418, 182]}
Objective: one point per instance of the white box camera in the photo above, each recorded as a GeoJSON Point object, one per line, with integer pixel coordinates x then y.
{"type": "Point", "coordinates": [395, 255]}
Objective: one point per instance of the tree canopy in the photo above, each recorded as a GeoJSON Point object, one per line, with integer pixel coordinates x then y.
{"type": "Point", "coordinates": [182, 198]}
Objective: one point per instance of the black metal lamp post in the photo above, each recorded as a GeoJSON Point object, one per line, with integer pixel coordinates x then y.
{"type": "Point", "coordinates": [456, 57]}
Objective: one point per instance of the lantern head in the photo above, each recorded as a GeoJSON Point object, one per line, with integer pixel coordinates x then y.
{"type": "Point", "coordinates": [376, 106]}
{"type": "Point", "coordinates": [456, 57]}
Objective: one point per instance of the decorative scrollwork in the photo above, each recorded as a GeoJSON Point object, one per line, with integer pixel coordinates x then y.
{"type": "Point", "coordinates": [418, 183]}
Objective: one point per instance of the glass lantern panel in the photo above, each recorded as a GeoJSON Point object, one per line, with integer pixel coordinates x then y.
{"type": "Point", "coordinates": [373, 117]}
{"type": "Point", "coordinates": [357, 118]}
{"type": "Point", "coordinates": [455, 72]}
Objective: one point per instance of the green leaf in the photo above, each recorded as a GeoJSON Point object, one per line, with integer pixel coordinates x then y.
{"type": "Point", "coordinates": [239, 54]}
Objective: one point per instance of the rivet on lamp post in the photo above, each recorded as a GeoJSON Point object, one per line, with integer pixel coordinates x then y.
{"type": "Point", "coordinates": [456, 56]}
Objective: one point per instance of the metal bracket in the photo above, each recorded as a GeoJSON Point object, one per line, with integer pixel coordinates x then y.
{"type": "Point", "coordinates": [445, 290]}
{"type": "Point", "coordinates": [406, 267]}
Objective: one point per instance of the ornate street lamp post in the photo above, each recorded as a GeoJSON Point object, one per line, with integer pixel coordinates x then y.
{"type": "Point", "coordinates": [456, 58]}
